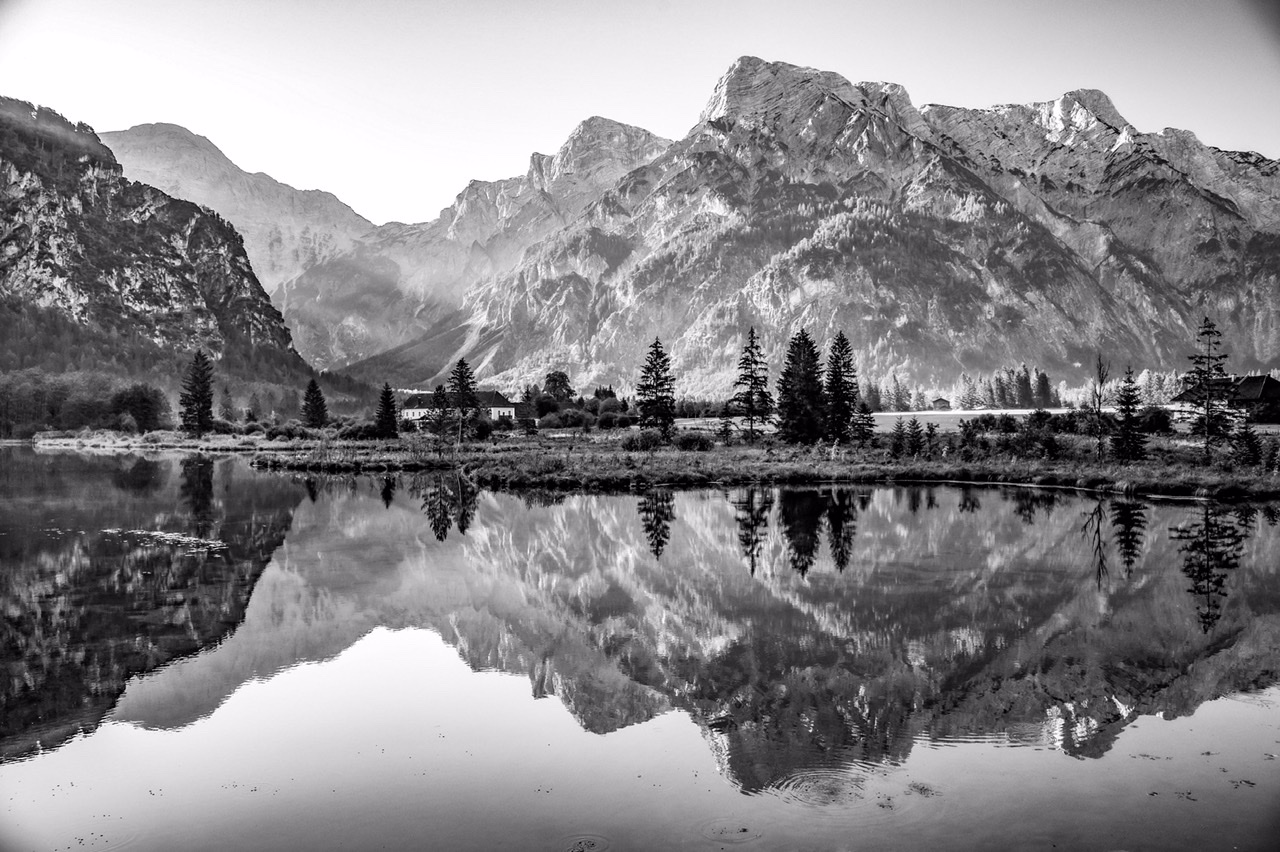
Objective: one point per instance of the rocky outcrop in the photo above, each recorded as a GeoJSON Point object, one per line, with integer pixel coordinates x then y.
{"type": "Point", "coordinates": [96, 269]}
{"type": "Point", "coordinates": [941, 240]}
{"type": "Point", "coordinates": [285, 230]}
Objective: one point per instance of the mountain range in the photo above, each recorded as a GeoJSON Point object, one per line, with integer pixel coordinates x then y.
{"type": "Point", "coordinates": [940, 239]}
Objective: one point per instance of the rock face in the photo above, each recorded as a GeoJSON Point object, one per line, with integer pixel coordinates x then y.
{"type": "Point", "coordinates": [402, 280]}
{"type": "Point", "coordinates": [940, 239]}
{"type": "Point", "coordinates": [285, 230]}
{"type": "Point", "coordinates": [98, 270]}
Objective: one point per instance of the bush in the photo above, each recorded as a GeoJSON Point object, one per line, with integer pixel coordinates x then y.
{"type": "Point", "coordinates": [289, 431]}
{"type": "Point", "coordinates": [363, 431]}
{"type": "Point", "coordinates": [644, 440]}
{"type": "Point", "coordinates": [482, 428]}
{"type": "Point", "coordinates": [504, 424]}
{"type": "Point", "coordinates": [1155, 420]}
{"type": "Point", "coordinates": [551, 421]}
{"type": "Point", "coordinates": [607, 420]}
{"type": "Point", "coordinates": [694, 441]}
{"type": "Point", "coordinates": [225, 427]}
{"type": "Point", "coordinates": [124, 422]}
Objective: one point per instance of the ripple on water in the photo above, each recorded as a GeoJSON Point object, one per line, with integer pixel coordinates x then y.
{"type": "Point", "coordinates": [585, 843]}
{"type": "Point", "coordinates": [729, 830]}
{"type": "Point", "coordinates": [822, 788]}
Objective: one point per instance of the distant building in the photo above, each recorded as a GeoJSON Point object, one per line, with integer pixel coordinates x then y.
{"type": "Point", "coordinates": [942, 404]}
{"type": "Point", "coordinates": [418, 406]}
{"type": "Point", "coordinates": [1257, 397]}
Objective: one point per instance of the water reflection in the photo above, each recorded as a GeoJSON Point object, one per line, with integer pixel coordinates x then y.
{"type": "Point", "coordinates": [1211, 545]}
{"type": "Point", "coordinates": [111, 566]}
{"type": "Point", "coordinates": [811, 633]}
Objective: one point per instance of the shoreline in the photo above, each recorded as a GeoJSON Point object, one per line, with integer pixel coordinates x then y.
{"type": "Point", "coordinates": [596, 465]}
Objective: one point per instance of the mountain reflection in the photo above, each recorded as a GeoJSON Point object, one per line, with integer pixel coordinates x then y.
{"type": "Point", "coordinates": [111, 566]}
{"type": "Point", "coordinates": [804, 629]}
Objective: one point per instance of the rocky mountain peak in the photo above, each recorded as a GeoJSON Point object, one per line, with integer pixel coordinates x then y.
{"type": "Point", "coordinates": [757, 91]}
{"type": "Point", "coordinates": [599, 149]}
{"type": "Point", "coordinates": [176, 146]}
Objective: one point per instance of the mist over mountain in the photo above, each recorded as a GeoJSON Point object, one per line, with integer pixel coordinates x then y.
{"type": "Point", "coordinates": [940, 239]}
{"type": "Point", "coordinates": [285, 230]}
{"type": "Point", "coordinates": [99, 272]}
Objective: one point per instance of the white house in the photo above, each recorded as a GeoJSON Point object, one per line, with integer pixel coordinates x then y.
{"type": "Point", "coordinates": [418, 406]}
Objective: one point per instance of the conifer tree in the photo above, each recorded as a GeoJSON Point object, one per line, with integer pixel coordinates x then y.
{"type": "Point", "coordinates": [1209, 380]}
{"type": "Point", "coordinates": [462, 393]}
{"type": "Point", "coordinates": [315, 413]}
{"type": "Point", "coordinates": [725, 429]}
{"type": "Point", "coordinates": [384, 421]}
{"type": "Point", "coordinates": [1246, 446]}
{"type": "Point", "coordinates": [227, 407]}
{"type": "Point", "coordinates": [841, 390]}
{"type": "Point", "coordinates": [1129, 443]}
{"type": "Point", "coordinates": [439, 410]}
{"type": "Point", "coordinates": [800, 403]}
{"type": "Point", "coordinates": [656, 391]}
{"type": "Point", "coordinates": [196, 400]}
{"type": "Point", "coordinates": [898, 439]}
{"type": "Point", "coordinates": [753, 398]}
{"type": "Point", "coordinates": [1043, 391]}
{"type": "Point", "coordinates": [864, 425]}
{"type": "Point", "coordinates": [915, 438]}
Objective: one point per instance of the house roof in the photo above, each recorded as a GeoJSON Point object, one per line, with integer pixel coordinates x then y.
{"type": "Point", "coordinates": [1238, 389]}
{"type": "Point", "coordinates": [486, 398]}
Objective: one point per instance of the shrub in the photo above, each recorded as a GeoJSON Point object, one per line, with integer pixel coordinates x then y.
{"type": "Point", "coordinates": [694, 441]}
{"type": "Point", "coordinates": [289, 431]}
{"type": "Point", "coordinates": [482, 428]}
{"type": "Point", "coordinates": [124, 422]}
{"type": "Point", "coordinates": [363, 431]}
{"type": "Point", "coordinates": [1155, 420]}
{"type": "Point", "coordinates": [646, 439]}
{"type": "Point", "coordinates": [607, 420]}
{"type": "Point", "coordinates": [551, 421]}
{"type": "Point", "coordinates": [504, 424]}
{"type": "Point", "coordinates": [252, 429]}
{"type": "Point", "coordinates": [225, 427]}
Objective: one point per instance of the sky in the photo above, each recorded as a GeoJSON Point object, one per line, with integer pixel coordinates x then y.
{"type": "Point", "coordinates": [394, 105]}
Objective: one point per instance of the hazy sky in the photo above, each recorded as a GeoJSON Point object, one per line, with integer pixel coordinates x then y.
{"type": "Point", "coordinates": [394, 105]}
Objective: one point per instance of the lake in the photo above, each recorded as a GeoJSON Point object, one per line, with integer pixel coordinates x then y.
{"type": "Point", "coordinates": [202, 656]}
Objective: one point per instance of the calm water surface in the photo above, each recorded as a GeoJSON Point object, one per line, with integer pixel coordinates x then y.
{"type": "Point", "coordinates": [199, 656]}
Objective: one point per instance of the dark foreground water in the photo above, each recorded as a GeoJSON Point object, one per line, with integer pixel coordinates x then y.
{"type": "Point", "coordinates": [197, 656]}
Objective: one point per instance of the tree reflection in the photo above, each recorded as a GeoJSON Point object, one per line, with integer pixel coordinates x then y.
{"type": "Point", "coordinates": [447, 499]}
{"type": "Point", "coordinates": [1093, 532]}
{"type": "Point", "coordinates": [657, 511]}
{"type": "Point", "coordinates": [969, 502]}
{"type": "Point", "coordinates": [144, 477]}
{"type": "Point", "coordinates": [1211, 547]}
{"type": "Point", "coordinates": [312, 492]}
{"type": "Point", "coordinates": [388, 491]}
{"type": "Point", "coordinates": [800, 514]}
{"type": "Point", "coordinates": [1028, 502]}
{"type": "Point", "coordinates": [197, 492]}
{"type": "Point", "coordinates": [842, 525]}
{"type": "Point", "coordinates": [1128, 522]}
{"type": "Point", "coordinates": [751, 513]}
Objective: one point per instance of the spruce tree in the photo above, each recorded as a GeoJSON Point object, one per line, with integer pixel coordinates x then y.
{"type": "Point", "coordinates": [898, 439]}
{"type": "Point", "coordinates": [841, 389]}
{"type": "Point", "coordinates": [800, 403]}
{"type": "Point", "coordinates": [1209, 380]}
{"type": "Point", "coordinates": [462, 393]}
{"type": "Point", "coordinates": [196, 400]}
{"type": "Point", "coordinates": [384, 422]}
{"type": "Point", "coordinates": [915, 438]}
{"type": "Point", "coordinates": [439, 411]}
{"type": "Point", "coordinates": [315, 413]}
{"type": "Point", "coordinates": [863, 428]}
{"type": "Point", "coordinates": [227, 408]}
{"type": "Point", "coordinates": [1246, 446]}
{"type": "Point", "coordinates": [1129, 443]}
{"type": "Point", "coordinates": [656, 391]}
{"type": "Point", "coordinates": [725, 429]}
{"type": "Point", "coordinates": [753, 398]}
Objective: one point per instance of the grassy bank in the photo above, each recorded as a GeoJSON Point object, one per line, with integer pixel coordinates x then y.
{"type": "Point", "coordinates": [599, 462]}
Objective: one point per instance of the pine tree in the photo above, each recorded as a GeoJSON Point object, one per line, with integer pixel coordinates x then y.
{"type": "Point", "coordinates": [1246, 446]}
{"type": "Point", "coordinates": [864, 425]}
{"type": "Point", "coordinates": [1043, 390]}
{"type": "Point", "coordinates": [753, 398]}
{"type": "Point", "coordinates": [462, 393]}
{"type": "Point", "coordinates": [439, 411]}
{"type": "Point", "coordinates": [1022, 388]}
{"type": "Point", "coordinates": [800, 415]}
{"type": "Point", "coordinates": [725, 430]}
{"type": "Point", "coordinates": [898, 439]}
{"type": "Point", "coordinates": [196, 400]}
{"type": "Point", "coordinates": [227, 408]}
{"type": "Point", "coordinates": [841, 389]}
{"type": "Point", "coordinates": [915, 438]}
{"type": "Point", "coordinates": [656, 391]}
{"type": "Point", "coordinates": [1209, 380]}
{"type": "Point", "coordinates": [315, 413]}
{"type": "Point", "coordinates": [1129, 443]}
{"type": "Point", "coordinates": [384, 421]}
